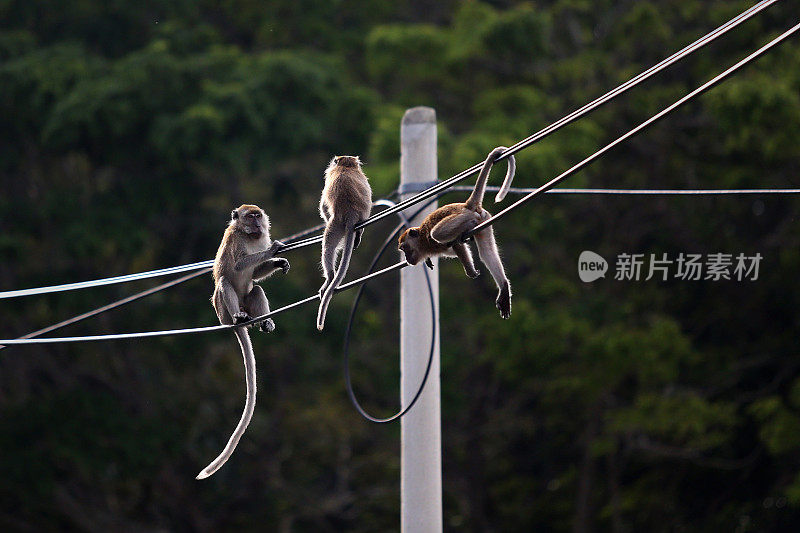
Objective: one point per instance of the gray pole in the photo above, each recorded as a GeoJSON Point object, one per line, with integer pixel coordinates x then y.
{"type": "Point", "coordinates": [421, 439]}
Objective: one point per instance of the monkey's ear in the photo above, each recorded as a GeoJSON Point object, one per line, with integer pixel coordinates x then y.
{"type": "Point", "coordinates": [234, 214]}
{"type": "Point", "coordinates": [413, 232]}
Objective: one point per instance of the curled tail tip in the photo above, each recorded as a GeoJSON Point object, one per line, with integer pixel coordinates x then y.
{"type": "Point", "coordinates": [204, 474]}
{"type": "Point", "coordinates": [497, 152]}
{"type": "Point", "coordinates": [321, 318]}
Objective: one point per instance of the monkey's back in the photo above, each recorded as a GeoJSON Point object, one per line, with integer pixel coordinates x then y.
{"type": "Point", "coordinates": [434, 218]}
{"type": "Point", "coordinates": [348, 195]}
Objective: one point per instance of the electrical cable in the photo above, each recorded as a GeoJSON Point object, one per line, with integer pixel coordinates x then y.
{"type": "Point", "coordinates": [112, 305]}
{"type": "Point", "coordinates": [205, 329]}
{"type": "Point", "coordinates": [133, 277]}
{"type": "Point", "coordinates": [417, 198]}
{"type": "Point", "coordinates": [349, 329]}
{"type": "Point", "coordinates": [142, 294]}
{"type": "Point", "coordinates": [579, 166]}
{"type": "Point", "coordinates": [541, 134]}
{"type": "Point", "coordinates": [643, 192]}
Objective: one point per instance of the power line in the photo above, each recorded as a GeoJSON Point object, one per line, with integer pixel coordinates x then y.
{"type": "Point", "coordinates": [133, 277]}
{"type": "Point", "coordinates": [535, 192]}
{"type": "Point", "coordinates": [106, 281]}
{"type": "Point", "coordinates": [112, 305]}
{"type": "Point", "coordinates": [700, 90]}
{"type": "Point", "coordinates": [644, 192]}
{"type": "Point", "coordinates": [525, 143]}
{"type": "Point", "coordinates": [541, 134]}
{"type": "Point", "coordinates": [431, 191]}
{"type": "Point", "coordinates": [206, 329]}
{"type": "Point", "coordinates": [677, 56]}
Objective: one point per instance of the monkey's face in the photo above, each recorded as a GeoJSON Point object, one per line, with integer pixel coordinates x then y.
{"type": "Point", "coordinates": [408, 243]}
{"type": "Point", "coordinates": [251, 220]}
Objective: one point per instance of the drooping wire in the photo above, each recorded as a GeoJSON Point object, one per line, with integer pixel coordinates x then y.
{"type": "Point", "coordinates": [579, 166]}
{"type": "Point", "coordinates": [525, 143]}
{"type": "Point", "coordinates": [349, 329]}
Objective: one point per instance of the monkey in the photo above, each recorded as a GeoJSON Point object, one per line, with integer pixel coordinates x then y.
{"type": "Point", "coordinates": [244, 257]}
{"type": "Point", "coordinates": [440, 233]}
{"type": "Point", "coordinates": [346, 200]}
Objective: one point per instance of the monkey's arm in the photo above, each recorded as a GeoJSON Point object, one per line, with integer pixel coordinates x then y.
{"type": "Point", "coordinates": [269, 266]}
{"type": "Point", "coordinates": [452, 227]}
{"type": "Point", "coordinates": [465, 256]}
{"type": "Point", "coordinates": [257, 258]}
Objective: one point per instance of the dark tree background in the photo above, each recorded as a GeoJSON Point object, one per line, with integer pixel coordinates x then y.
{"type": "Point", "coordinates": [128, 130]}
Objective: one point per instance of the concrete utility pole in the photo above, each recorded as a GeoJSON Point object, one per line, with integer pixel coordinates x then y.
{"type": "Point", "coordinates": [421, 438]}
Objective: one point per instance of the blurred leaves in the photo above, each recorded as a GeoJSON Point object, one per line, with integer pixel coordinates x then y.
{"type": "Point", "coordinates": [127, 132]}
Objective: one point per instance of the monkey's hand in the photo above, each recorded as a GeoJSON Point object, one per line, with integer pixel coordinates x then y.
{"type": "Point", "coordinates": [240, 317]}
{"type": "Point", "coordinates": [282, 263]}
{"type": "Point", "coordinates": [429, 263]}
{"type": "Point", "coordinates": [267, 326]}
{"type": "Point", "coordinates": [276, 245]}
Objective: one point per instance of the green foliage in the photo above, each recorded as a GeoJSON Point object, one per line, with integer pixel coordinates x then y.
{"type": "Point", "coordinates": [129, 129]}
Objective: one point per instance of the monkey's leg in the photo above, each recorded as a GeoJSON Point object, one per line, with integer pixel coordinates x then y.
{"type": "Point", "coordinates": [230, 300]}
{"type": "Point", "coordinates": [330, 241]}
{"type": "Point", "coordinates": [257, 305]}
{"type": "Point", "coordinates": [452, 227]}
{"type": "Point", "coordinates": [324, 212]}
{"type": "Point", "coordinates": [219, 306]}
{"type": "Point", "coordinates": [487, 250]}
{"type": "Point", "coordinates": [465, 256]}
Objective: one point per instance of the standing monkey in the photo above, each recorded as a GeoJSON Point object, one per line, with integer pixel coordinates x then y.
{"type": "Point", "coordinates": [439, 233]}
{"type": "Point", "coordinates": [346, 201]}
{"type": "Point", "coordinates": [245, 256]}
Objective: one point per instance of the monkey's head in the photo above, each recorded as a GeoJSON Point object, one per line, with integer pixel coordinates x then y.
{"type": "Point", "coordinates": [345, 161]}
{"type": "Point", "coordinates": [250, 220]}
{"type": "Point", "coordinates": [408, 243]}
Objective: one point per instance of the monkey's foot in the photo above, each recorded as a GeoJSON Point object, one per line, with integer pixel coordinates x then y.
{"type": "Point", "coordinates": [240, 317]}
{"type": "Point", "coordinates": [474, 274]}
{"type": "Point", "coordinates": [267, 326]}
{"type": "Point", "coordinates": [504, 301]}
{"type": "Point", "coordinates": [429, 263]}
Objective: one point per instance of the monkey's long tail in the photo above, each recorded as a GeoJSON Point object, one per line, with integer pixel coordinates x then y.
{"type": "Point", "coordinates": [512, 169]}
{"type": "Point", "coordinates": [249, 404]}
{"type": "Point", "coordinates": [475, 199]}
{"type": "Point", "coordinates": [337, 279]}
